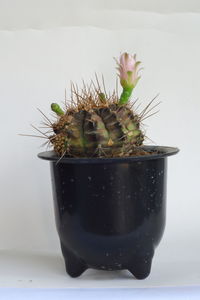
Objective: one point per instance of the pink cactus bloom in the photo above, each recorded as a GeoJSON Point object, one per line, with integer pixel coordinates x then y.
{"type": "Point", "coordinates": [128, 70]}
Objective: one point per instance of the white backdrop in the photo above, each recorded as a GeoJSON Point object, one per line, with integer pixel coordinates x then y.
{"type": "Point", "coordinates": [44, 45]}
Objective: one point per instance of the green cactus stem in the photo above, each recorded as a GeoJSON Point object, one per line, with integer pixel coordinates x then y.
{"type": "Point", "coordinates": [102, 97]}
{"type": "Point", "coordinates": [125, 95]}
{"type": "Point", "coordinates": [57, 109]}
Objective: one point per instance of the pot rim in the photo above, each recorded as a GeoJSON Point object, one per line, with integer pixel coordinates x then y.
{"type": "Point", "coordinates": [163, 151]}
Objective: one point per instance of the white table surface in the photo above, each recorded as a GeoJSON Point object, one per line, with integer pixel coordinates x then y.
{"type": "Point", "coordinates": [184, 293]}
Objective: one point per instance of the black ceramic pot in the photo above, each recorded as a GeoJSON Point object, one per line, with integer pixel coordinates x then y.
{"type": "Point", "coordinates": [110, 212]}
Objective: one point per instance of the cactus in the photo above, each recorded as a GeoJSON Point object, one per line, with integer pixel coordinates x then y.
{"type": "Point", "coordinates": [96, 124]}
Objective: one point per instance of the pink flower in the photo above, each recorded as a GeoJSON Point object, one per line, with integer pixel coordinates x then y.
{"type": "Point", "coordinates": [128, 70]}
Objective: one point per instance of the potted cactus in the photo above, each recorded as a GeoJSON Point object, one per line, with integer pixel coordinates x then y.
{"type": "Point", "coordinates": [109, 189]}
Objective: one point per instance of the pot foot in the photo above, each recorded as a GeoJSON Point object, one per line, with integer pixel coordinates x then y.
{"type": "Point", "coordinates": [141, 269]}
{"type": "Point", "coordinates": [74, 265]}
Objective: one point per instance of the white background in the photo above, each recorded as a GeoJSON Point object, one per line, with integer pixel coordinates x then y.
{"type": "Point", "coordinates": [44, 45]}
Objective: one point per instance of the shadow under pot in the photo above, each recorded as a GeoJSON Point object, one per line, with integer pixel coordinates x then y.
{"type": "Point", "coordinates": [110, 212]}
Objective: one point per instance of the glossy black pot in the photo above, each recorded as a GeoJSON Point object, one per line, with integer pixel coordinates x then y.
{"type": "Point", "coordinates": [110, 212]}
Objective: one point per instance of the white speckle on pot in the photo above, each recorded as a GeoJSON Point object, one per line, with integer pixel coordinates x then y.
{"type": "Point", "coordinates": [103, 187]}
{"type": "Point", "coordinates": [118, 192]}
{"type": "Point", "coordinates": [95, 195]}
{"type": "Point", "coordinates": [107, 254]}
{"type": "Point", "coordinates": [128, 196]}
{"type": "Point", "coordinates": [63, 182]}
{"type": "Point", "coordinates": [89, 178]}
{"type": "Point", "coordinates": [118, 264]}
{"type": "Point", "coordinates": [72, 179]}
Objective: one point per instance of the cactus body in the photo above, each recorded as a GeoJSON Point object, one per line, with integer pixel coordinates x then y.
{"type": "Point", "coordinates": [99, 129]}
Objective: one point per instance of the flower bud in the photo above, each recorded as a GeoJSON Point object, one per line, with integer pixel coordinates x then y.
{"type": "Point", "coordinates": [128, 70]}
